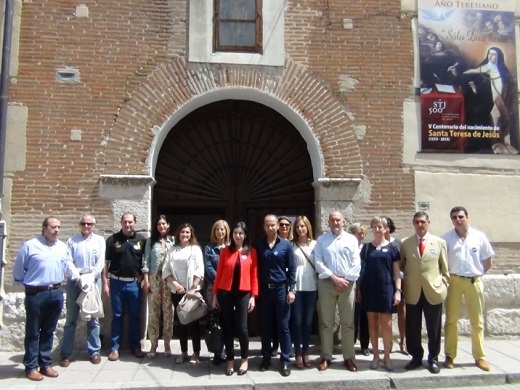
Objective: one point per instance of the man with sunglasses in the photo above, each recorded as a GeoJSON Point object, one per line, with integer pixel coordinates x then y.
{"type": "Point", "coordinates": [469, 258]}
{"type": "Point", "coordinates": [87, 251]}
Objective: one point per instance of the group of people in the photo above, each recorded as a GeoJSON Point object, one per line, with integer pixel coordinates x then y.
{"type": "Point", "coordinates": [287, 274]}
{"type": "Point", "coordinates": [424, 272]}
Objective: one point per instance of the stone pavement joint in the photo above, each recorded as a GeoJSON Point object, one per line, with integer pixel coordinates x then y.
{"type": "Point", "coordinates": [130, 373]}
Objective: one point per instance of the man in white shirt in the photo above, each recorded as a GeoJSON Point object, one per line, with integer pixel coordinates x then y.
{"type": "Point", "coordinates": [469, 258]}
{"type": "Point", "coordinates": [338, 264]}
{"type": "Point", "coordinates": [87, 251]}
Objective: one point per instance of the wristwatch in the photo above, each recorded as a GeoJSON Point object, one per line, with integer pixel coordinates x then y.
{"type": "Point", "coordinates": [292, 290]}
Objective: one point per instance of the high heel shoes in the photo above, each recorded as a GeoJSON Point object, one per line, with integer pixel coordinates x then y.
{"type": "Point", "coordinates": [243, 368]}
{"type": "Point", "coordinates": [230, 369]}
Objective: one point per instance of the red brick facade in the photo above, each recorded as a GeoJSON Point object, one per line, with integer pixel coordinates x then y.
{"type": "Point", "coordinates": [134, 74]}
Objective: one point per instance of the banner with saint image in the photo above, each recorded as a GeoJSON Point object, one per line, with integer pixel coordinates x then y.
{"type": "Point", "coordinates": [469, 90]}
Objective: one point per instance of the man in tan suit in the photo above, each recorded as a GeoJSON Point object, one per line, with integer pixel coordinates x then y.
{"type": "Point", "coordinates": [425, 267]}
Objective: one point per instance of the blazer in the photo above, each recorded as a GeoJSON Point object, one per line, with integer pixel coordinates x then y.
{"type": "Point", "coordinates": [248, 271]}
{"type": "Point", "coordinates": [428, 272]}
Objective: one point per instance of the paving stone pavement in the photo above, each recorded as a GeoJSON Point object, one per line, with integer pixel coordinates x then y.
{"type": "Point", "coordinates": [162, 373]}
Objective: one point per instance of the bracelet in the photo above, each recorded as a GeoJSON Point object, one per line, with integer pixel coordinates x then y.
{"type": "Point", "coordinates": [398, 289]}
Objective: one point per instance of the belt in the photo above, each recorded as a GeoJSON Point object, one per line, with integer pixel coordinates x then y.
{"type": "Point", "coordinates": [274, 285]}
{"type": "Point", "coordinates": [473, 278]}
{"type": "Point", "coordinates": [43, 288]}
{"type": "Point", "coordinates": [122, 279]}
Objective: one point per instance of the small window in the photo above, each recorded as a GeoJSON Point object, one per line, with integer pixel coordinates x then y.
{"type": "Point", "coordinates": [237, 26]}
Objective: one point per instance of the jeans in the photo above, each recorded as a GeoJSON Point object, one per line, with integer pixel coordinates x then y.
{"type": "Point", "coordinates": [43, 310]}
{"type": "Point", "coordinates": [302, 313]}
{"type": "Point", "coordinates": [273, 303]}
{"type": "Point", "coordinates": [69, 331]}
{"type": "Point", "coordinates": [125, 296]}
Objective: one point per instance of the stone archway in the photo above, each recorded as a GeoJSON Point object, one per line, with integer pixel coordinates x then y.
{"type": "Point", "coordinates": [304, 98]}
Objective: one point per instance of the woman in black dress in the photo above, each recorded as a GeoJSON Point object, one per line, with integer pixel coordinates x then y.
{"type": "Point", "coordinates": [380, 289]}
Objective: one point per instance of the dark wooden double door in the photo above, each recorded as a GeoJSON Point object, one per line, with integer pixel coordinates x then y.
{"type": "Point", "coordinates": [234, 160]}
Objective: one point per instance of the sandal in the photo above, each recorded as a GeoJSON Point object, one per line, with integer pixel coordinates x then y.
{"type": "Point", "coordinates": [181, 358]}
{"type": "Point", "coordinates": [194, 358]}
{"type": "Point", "coordinates": [152, 352]}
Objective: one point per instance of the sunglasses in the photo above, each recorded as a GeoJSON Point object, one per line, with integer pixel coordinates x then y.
{"type": "Point", "coordinates": [285, 224]}
{"type": "Point", "coordinates": [457, 217]}
{"type": "Point", "coordinates": [86, 224]}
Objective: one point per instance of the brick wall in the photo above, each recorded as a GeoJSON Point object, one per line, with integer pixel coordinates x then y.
{"type": "Point", "coordinates": [133, 75]}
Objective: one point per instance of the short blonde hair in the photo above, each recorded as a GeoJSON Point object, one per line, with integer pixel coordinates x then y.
{"type": "Point", "coordinates": [213, 237]}
{"type": "Point", "coordinates": [357, 228]}
{"type": "Point", "coordinates": [376, 221]}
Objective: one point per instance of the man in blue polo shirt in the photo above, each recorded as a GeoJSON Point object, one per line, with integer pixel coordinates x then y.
{"type": "Point", "coordinates": [121, 282]}
{"type": "Point", "coordinates": [41, 266]}
{"type": "Point", "coordinates": [276, 274]}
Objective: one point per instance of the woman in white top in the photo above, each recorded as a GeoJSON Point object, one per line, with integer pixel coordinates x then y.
{"type": "Point", "coordinates": [184, 273]}
{"type": "Point", "coordinates": [304, 306]}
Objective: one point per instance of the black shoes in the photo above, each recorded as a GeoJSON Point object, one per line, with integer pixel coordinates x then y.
{"type": "Point", "coordinates": [433, 367]}
{"type": "Point", "coordinates": [217, 359]}
{"type": "Point", "coordinates": [264, 366]}
{"type": "Point", "coordinates": [413, 364]}
{"type": "Point", "coordinates": [285, 370]}
{"type": "Point", "coordinates": [365, 352]}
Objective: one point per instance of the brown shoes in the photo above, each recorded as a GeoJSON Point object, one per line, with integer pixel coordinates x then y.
{"type": "Point", "coordinates": [324, 364]}
{"type": "Point", "coordinates": [34, 375]}
{"type": "Point", "coordinates": [482, 364]}
{"type": "Point", "coordinates": [113, 355]}
{"type": "Point", "coordinates": [350, 365]}
{"type": "Point", "coordinates": [95, 358]}
{"type": "Point", "coordinates": [49, 371]}
{"type": "Point", "coordinates": [448, 363]}
{"type": "Point", "coordinates": [138, 353]}
{"type": "Point", "coordinates": [64, 362]}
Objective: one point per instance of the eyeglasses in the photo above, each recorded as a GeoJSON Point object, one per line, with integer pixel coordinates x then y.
{"type": "Point", "coordinates": [284, 224]}
{"type": "Point", "coordinates": [87, 224]}
{"type": "Point", "coordinates": [457, 217]}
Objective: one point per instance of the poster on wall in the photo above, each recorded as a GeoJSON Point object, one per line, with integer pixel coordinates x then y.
{"type": "Point", "coordinates": [469, 90]}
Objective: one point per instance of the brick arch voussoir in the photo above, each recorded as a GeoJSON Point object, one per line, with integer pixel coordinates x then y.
{"type": "Point", "coordinates": [174, 84]}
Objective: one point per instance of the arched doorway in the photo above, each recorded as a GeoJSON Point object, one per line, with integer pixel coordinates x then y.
{"type": "Point", "coordinates": [236, 160]}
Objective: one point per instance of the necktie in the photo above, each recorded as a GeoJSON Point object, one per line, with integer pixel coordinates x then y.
{"type": "Point", "coordinates": [421, 246]}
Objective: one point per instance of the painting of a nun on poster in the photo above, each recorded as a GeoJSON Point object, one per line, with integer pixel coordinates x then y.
{"type": "Point", "coordinates": [467, 49]}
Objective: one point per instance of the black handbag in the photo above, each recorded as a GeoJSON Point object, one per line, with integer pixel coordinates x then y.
{"type": "Point", "coordinates": [214, 334]}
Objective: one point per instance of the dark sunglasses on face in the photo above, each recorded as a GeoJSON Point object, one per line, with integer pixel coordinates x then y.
{"type": "Point", "coordinates": [285, 224]}
{"type": "Point", "coordinates": [86, 224]}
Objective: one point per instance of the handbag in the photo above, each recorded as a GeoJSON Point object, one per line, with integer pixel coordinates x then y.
{"type": "Point", "coordinates": [214, 334]}
{"type": "Point", "coordinates": [191, 309]}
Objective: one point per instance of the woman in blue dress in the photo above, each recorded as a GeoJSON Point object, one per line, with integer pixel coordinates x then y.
{"type": "Point", "coordinates": [380, 289]}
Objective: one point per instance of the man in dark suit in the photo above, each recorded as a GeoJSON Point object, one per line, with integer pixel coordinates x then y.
{"type": "Point", "coordinates": [425, 267]}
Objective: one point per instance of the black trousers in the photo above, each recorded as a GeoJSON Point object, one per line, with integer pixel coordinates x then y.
{"type": "Point", "coordinates": [432, 317]}
{"type": "Point", "coordinates": [193, 328]}
{"type": "Point", "coordinates": [361, 326]}
{"type": "Point", "coordinates": [234, 320]}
